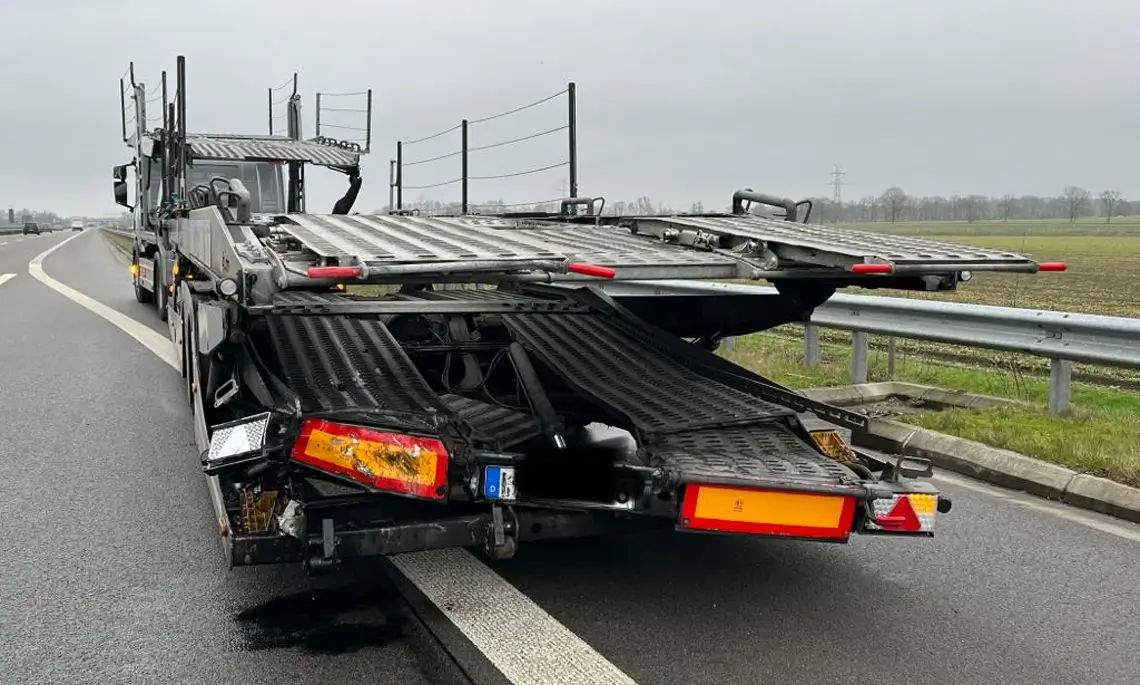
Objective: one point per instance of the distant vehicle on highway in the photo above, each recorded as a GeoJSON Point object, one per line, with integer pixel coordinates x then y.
{"type": "Point", "coordinates": [77, 225]}
{"type": "Point", "coordinates": [32, 227]}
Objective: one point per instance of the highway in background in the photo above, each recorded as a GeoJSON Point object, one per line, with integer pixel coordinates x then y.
{"type": "Point", "coordinates": [112, 570]}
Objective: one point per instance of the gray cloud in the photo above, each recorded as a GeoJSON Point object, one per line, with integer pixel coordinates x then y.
{"type": "Point", "coordinates": [681, 101]}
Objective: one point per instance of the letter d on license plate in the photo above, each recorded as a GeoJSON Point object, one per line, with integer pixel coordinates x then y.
{"type": "Point", "coordinates": [499, 482]}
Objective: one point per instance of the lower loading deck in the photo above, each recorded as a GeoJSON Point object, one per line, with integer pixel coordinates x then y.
{"type": "Point", "coordinates": [690, 427]}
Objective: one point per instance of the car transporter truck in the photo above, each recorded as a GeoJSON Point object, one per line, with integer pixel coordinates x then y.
{"type": "Point", "coordinates": [486, 389]}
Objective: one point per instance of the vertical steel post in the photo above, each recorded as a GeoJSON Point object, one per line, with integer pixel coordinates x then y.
{"type": "Point", "coordinates": [270, 111]}
{"type": "Point", "coordinates": [391, 185]}
{"type": "Point", "coordinates": [1060, 385]}
{"type": "Point", "coordinates": [399, 174]}
{"type": "Point", "coordinates": [318, 115]}
{"type": "Point", "coordinates": [463, 163]}
{"type": "Point", "coordinates": [811, 346]}
{"type": "Point", "coordinates": [860, 341]}
{"type": "Point", "coordinates": [572, 127]}
{"type": "Point", "coordinates": [368, 125]}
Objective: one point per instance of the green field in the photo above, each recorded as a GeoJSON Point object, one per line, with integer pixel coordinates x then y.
{"type": "Point", "coordinates": [1103, 259]}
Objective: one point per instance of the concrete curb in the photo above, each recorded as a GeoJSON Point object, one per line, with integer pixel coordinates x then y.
{"type": "Point", "coordinates": [977, 460]}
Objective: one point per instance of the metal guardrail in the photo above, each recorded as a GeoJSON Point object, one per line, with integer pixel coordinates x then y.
{"type": "Point", "coordinates": [118, 231]}
{"type": "Point", "coordinates": [1062, 337]}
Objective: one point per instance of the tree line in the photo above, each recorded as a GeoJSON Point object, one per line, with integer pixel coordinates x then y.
{"type": "Point", "coordinates": [895, 204]}
{"type": "Point", "coordinates": [891, 206]}
{"type": "Point", "coordinates": [20, 216]}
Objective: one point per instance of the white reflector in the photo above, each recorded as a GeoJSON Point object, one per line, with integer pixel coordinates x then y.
{"type": "Point", "coordinates": [238, 437]}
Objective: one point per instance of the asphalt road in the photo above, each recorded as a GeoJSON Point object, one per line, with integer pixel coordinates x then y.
{"type": "Point", "coordinates": [111, 571]}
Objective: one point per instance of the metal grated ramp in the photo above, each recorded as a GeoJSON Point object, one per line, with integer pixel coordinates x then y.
{"type": "Point", "coordinates": [600, 358]}
{"type": "Point", "coordinates": [498, 424]}
{"type": "Point", "coordinates": [384, 239]}
{"type": "Point", "coordinates": [756, 454]}
{"type": "Point", "coordinates": [336, 362]}
{"type": "Point", "coordinates": [858, 245]}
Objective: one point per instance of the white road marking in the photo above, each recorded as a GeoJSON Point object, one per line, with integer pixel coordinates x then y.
{"type": "Point", "coordinates": [153, 341]}
{"type": "Point", "coordinates": [1089, 519]}
{"type": "Point", "coordinates": [524, 642]}
{"type": "Point", "coordinates": [4, 243]}
{"type": "Point", "coordinates": [528, 645]}
{"type": "Point", "coordinates": [4, 278]}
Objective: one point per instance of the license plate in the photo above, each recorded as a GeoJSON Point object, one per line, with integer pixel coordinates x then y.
{"type": "Point", "coordinates": [768, 512]}
{"type": "Point", "coordinates": [499, 482]}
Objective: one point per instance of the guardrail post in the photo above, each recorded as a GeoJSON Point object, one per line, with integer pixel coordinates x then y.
{"type": "Point", "coordinates": [891, 358]}
{"type": "Point", "coordinates": [1060, 385]}
{"type": "Point", "coordinates": [860, 341]}
{"type": "Point", "coordinates": [811, 345]}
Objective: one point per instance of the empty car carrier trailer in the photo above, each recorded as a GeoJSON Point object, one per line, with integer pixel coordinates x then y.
{"type": "Point", "coordinates": [460, 406]}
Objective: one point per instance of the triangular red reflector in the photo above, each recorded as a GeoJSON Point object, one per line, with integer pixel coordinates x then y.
{"type": "Point", "coordinates": [903, 512]}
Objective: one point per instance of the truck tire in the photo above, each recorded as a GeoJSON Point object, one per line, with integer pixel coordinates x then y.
{"type": "Point", "coordinates": [161, 296]}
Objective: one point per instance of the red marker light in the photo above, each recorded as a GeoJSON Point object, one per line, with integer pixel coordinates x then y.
{"type": "Point", "coordinates": [1052, 266]}
{"type": "Point", "coordinates": [871, 268]}
{"type": "Point", "coordinates": [334, 271]}
{"type": "Point", "coordinates": [591, 270]}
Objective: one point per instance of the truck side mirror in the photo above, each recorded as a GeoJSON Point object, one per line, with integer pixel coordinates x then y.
{"type": "Point", "coordinates": [121, 194]}
{"type": "Point", "coordinates": [120, 173]}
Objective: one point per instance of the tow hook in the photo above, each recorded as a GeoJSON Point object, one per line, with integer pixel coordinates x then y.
{"type": "Point", "coordinates": [500, 540]}
{"type": "Point", "coordinates": [322, 553]}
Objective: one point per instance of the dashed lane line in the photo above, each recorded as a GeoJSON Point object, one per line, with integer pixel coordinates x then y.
{"type": "Point", "coordinates": [4, 278]}
{"type": "Point", "coordinates": [525, 643]}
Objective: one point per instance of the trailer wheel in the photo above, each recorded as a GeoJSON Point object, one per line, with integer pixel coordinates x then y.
{"type": "Point", "coordinates": [141, 294]}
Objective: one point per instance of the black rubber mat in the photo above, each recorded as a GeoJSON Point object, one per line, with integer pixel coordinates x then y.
{"type": "Point", "coordinates": [764, 452]}
{"type": "Point", "coordinates": [598, 357]}
{"type": "Point", "coordinates": [336, 362]}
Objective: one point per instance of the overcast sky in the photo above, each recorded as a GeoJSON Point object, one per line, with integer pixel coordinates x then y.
{"type": "Point", "coordinates": [680, 100]}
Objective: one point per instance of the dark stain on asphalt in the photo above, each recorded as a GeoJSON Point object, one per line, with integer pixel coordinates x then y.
{"type": "Point", "coordinates": [332, 621]}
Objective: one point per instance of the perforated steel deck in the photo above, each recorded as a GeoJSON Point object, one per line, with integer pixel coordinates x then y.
{"type": "Point", "coordinates": [384, 239]}
{"type": "Point", "coordinates": [859, 245]}
{"type": "Point", "coordinates": [600, 357]}
{"type": "Point", "coordinates": [336, 362]}
{"type": "Point", "coordinates": [762, 453]}
{"type": "Point", "coordinates": [269, 148]}
{"type": "Point", "coordinates": [498, 424]}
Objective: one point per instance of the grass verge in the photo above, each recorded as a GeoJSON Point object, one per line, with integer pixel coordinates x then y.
{"type": "Point", "coordinates": [1098, 436]}
{"type": "Point", "coordinates": [120, 242]}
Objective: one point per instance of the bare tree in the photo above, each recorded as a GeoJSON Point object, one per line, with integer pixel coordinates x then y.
{"type": "Point", "coordinates": [894, 200]}
{"type": "Point", "coordinates": [1005, 206]}
{"type": "Point", "coordinates": [1076, 199]}
{"type": "Point", "coordinates": [1109, 202]}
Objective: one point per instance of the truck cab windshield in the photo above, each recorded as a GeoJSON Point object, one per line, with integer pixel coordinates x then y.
{"type": "Point", "coordinates": [262, 179]}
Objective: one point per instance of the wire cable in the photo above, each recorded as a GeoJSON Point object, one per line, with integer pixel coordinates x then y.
{"type": "Point", "coordinates": [285, 85]}
{"type": "Point", "coordinates": [519, 173]}
{"type": "Point", "coordinates": [516, 110]}
{"type": "Point", "coordinates": [433, 159]}
{"type": "Point", "coordinates": [434, 185]}
{"type": "Point", "coordinates": [518, 140]}
{"type": "Point", "coordinates": [516, 204]}
{"type": "Point", "coordinates": [434, 135]}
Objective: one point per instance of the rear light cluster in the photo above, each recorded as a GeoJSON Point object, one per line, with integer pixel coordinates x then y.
{"type": "Point", "coordinates": [904, 513]}
{"type": "Point", "coordinates": [399, 463]}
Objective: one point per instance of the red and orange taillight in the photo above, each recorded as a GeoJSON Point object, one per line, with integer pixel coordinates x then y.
{"type": "Point", "coordinates": [399, 463]}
